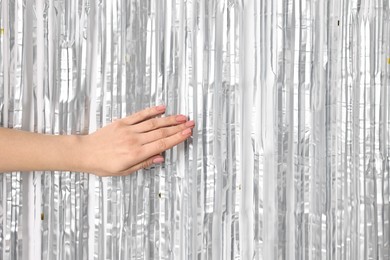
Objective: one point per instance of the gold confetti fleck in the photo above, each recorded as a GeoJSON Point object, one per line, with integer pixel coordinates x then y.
{"type": "Point", "coordinates": [1, 31]}
{"type": "Point", "coordinates": [42, 216]}
{"type": "Point", "coordinates": [388, 60]}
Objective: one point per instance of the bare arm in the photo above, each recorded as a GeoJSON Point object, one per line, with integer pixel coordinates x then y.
{"type": "Point", "coordinates": [120, 148]}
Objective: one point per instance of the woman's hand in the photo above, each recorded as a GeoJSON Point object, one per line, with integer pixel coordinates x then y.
{"type": "Point", "coordinates": [134, 142]}
{"type": "Point", "coordinates": [120, 148]}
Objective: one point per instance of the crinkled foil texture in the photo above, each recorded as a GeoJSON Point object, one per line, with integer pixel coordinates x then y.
{"type": "Point", "coordinates": [289, 158]}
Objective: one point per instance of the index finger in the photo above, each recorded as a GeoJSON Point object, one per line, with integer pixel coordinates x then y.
{"type": "Point", "coordinates": [144, 114]}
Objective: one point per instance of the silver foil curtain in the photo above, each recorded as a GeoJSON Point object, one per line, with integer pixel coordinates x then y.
{"type": "Point", "coordinates": [290, 155]}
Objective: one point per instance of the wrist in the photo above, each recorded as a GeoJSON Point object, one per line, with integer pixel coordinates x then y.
{"type": "Point", "coordinates": [75, 153]}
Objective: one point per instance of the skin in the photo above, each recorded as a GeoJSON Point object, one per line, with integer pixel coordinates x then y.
{"type": "Point", "coordinates": [118, 149]}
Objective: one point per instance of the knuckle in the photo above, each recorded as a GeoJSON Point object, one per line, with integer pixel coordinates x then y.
{"type": "Point", "coordinates": [117, 124]}
{"type": "Point", "coordinates": [135, 117]}
{"type": "Point", "coordinates": [131, 140]}
{"type": "Point", "coordinates": [153, 123]}
{"type": "Point", "coordinates": [145, 164]}
{"type": "Point", "coordinates": [161, 145]}
{"type": "Point", "coordinates": [162, 133]}
{"type": "Point", "coordinates": [136, 114]}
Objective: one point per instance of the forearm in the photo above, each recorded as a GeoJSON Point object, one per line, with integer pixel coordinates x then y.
{"type": "Point", "coordinates": [25, 151]}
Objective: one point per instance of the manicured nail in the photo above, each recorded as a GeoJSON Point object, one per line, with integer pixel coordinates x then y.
{"type": "Point", "coordinates": [186, 132]}
{"type": "Point", "coordinates": [160, 108]}
{"type": "Point", "coordinates": [181, 118]}
{"type": "Point", "coordinates": [158, 160]}
{"type": "Point", "coordinates": [190, 123]}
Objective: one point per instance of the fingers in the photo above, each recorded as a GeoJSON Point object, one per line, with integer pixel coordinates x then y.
{"type": "Point", "coordinates": [144, 114]}
{"type": "Point", "coordinates": [145, 164]}
{"type": "Point", "coordinates": [165, 132]}
{"type": "Point", "coordinates": [156, 123]}
{"type": "Point", "coordinates": [158, 147]}
{"type": "Point", "coordinates": [163, 144]}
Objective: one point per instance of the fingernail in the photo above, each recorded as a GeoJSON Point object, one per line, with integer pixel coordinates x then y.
{"type": "Point", "coordinates": [186, 132]}
{"type": "Point", "coordinates": [181, 118]}
{"type": "Point", "coordinates": [160, 108]}
{"type": "Point", "coordinates": [158, 160]}
{"type": "Point", "coordinates": [190, 123]}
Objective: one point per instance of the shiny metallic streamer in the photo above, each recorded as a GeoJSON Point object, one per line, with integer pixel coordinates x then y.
{"type": "Point", "coordinates": [290, 155]}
